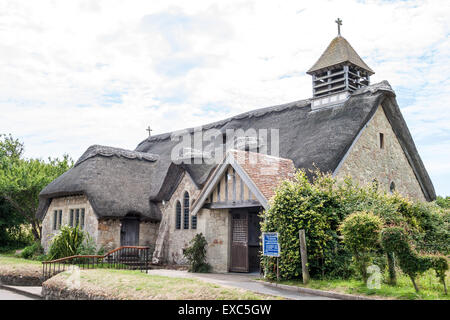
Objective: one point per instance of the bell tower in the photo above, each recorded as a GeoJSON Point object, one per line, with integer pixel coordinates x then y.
{"type": "Point", "coordinates": [338, 72]}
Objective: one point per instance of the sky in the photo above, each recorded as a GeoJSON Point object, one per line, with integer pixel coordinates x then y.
{"type": "Point", "coordinates": [77, 73]}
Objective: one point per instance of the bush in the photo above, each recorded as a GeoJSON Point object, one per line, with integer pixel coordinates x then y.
{"type": "Point", "coordinates": [68, 242]}
{"type": "Point", "coordinates": [320, 207]}
{"type": "Point", "coordinates": [361, 233]}
{"type": "Point", "coordinates": [395, 240]}
{"type": "Point", "coordinates": [196, 254]}
{"type": "Point", "coordinates": [33, 252]}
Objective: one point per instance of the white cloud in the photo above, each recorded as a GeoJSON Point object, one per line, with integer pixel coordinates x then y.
{"type": "Point", "coordinates": [99, 72]}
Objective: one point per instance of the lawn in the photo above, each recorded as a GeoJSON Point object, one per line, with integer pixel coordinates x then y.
{"type": "Point", "coordinates": [135, 285]}
{"type": "Point", "coordinates": [17, 271]}
{"type": "Point", "coordinates": [430, 288]}
{"type": "Point", "coordinates": [9, 264]}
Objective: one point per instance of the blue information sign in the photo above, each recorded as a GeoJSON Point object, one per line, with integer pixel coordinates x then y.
{"type": "Point", "coordinates": [271, 246]}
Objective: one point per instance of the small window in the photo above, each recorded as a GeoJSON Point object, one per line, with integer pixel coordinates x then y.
{"type": "Point", "coordinates": [59, 218]}
{"type": "Point", "coordinates": [71, 218]}
{"type": "Point", "coordinates": [194, 222]}
{"type": "Point", "coordinates": [82, 219]}
{"type": "Point", "coordinates": [77, 217]}
{"type": "Point", "coordinates": [218, 192]}
{"type": "Point", "coordinates": [392, 187]}
{"type": "Point", "coordinates": [381, 140]}
{"type": "Point", "coordinates": [186, 211]}
{"type": "Point", "coordinates": [55, 220]}
{"type": "Point", "coordinates": [178, 215]}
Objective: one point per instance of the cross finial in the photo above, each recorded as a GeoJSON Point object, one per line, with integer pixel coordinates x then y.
{"type": "Point", "coordinates": [339, 23]}
{"type": "Point", "coordinates": [149, 131]}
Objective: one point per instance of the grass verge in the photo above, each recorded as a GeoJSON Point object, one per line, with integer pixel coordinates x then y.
{"type": "Point", "coordinates": [135, 285]}
{"type": "Point", "coordinates": [19, 266]}
{"type": "Point", "coordinates": [430, 287]}
{"type": "Point", "coordinates": [20, 272]}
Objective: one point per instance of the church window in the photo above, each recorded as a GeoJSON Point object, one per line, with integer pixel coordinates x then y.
{"type": "Point", "coordinates": [186, 211]}
{"type": "Point", "coordinates": [178, 215]}
{"type": "Point", "coordinates": [194, 222]}
{"type": "Point", "coordinates": [77, 217]}
{"type": "Point", "coordinates": [71, 218]}
{"type": "Point", "coordinates": [59, 218]}
{"type": "Point", "coordinates": [55, 219]}
{"type": "Point", "coordinates": [218, 192]}
{"type": "Point", "coordinates": [381, 140]}
{"type": "Point", "coordinates": [82, 219]}
{"type": "Point", "coordinates": [392, 187]}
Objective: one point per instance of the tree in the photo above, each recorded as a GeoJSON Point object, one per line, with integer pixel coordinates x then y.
{"type": "Point", "coordinates": [21, 180]}
{"type": "Point", "coordinates": [10, 220]}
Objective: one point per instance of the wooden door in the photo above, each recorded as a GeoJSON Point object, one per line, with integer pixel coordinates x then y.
{"type": "Point", "coordinates": [129, 232]}
{"type": "Point", "coordinates": [239, 242]}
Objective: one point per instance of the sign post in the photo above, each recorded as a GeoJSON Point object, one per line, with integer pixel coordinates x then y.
{"type": "Point", "coordinates": [271, 247]}
{"type": "Point", "coordinates": [303, 256]}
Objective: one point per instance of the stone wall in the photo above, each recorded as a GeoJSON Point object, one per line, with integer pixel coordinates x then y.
{"type": "Point", "coordinates": [108, 234]}
{"type": "Point", "coordinates": [214, 224]}
{"type": "Point", "coordinates": [366, 161]}
{"type": "Point", "coordinates": [65, 204]}
{"type": "Point", "coordinates": [178, 239]}
{"type": "Point", "coordinates": [217, 231]}
{"type": "Point", "coordinates": [148, 232]}
{"type": "Point", "coordinates": [105, 232]}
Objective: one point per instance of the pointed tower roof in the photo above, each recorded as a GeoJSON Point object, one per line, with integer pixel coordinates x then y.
{"type": "Point", "coordinates": [337, 52]}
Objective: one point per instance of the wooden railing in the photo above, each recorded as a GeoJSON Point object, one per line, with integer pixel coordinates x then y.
{"type": "Point", "coordinates": [125, 257]}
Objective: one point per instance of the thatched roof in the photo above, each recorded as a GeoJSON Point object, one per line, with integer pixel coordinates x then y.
{"type": "Point", "coordinates": [311, 138]}
{"type": "Point", "coordinates": [339, 51]}
{"type": "Point", "coordinates": [118, 181]}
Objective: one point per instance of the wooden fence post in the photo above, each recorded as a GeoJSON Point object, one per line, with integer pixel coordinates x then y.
{"type": "Point", "coordinates": [303, 256]}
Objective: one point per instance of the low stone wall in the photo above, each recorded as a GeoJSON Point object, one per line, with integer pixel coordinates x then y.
{"type": "Point", "coordinates": [54, 292]}
{"type": "Point", "coordinates": [20, 274]}
{"type": "Point", "coordinates": [21, 280]}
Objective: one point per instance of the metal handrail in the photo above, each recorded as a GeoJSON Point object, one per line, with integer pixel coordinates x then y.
{"type": "Point", "coordinates": [123, 257]}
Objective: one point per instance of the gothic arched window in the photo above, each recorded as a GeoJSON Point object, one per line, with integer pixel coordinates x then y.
{"type": "Point", "coordinates": [178, 215]}
{"type": "Point", "coordinates": [186, 210]}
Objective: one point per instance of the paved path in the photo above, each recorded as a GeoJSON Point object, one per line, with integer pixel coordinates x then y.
{"type": "Point", "coordinates": [238, 280]}
{"type": "Point", "coordinates": [9, 295]}
{"type": "Point", "coordinates": [26, 291]}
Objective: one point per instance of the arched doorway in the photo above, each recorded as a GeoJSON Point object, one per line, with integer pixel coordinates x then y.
{"type": "Point", "coordinates": [129, 231]}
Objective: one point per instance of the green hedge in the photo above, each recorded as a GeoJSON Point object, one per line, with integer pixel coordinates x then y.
{"type": "Point", "coordinates": [361, 232]}
{"type": "Point", "coordinates": [395, 240]}
{"type": "Point", "coordinates": [320, 206]}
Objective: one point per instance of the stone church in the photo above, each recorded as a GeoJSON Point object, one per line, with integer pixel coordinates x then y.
{"type": "Point", "coordinates": [161, 195]}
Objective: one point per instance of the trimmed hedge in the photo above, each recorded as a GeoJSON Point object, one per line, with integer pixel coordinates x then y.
{"type": "Point", "coordinates": [361, 232]}
{"type": "Point", "coordinates": [320, 207]}
{"type": "Point", "coordinates": [395, 240]}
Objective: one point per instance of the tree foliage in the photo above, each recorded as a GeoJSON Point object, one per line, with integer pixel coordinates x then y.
{"type": "Point", "coordinates": [22, 179]}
